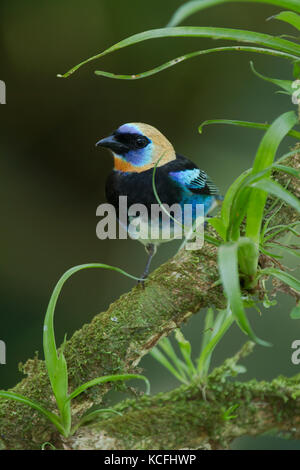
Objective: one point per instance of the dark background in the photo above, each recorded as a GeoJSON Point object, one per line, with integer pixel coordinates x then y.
{"type": "Point", "coordinates": [52, 177]}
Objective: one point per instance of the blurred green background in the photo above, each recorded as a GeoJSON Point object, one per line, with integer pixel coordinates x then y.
{"type": "Point", "coordinates": [52, 177]}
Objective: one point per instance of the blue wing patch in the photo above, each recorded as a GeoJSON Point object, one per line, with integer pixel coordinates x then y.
{"type": "Point", "coordinates": [195, 180]}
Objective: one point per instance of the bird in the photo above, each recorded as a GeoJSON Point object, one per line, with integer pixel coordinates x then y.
{"type": "Point", "coordinates": [138, 150]}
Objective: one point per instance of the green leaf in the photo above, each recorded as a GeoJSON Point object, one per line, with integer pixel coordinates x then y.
{"type": "Point", "coordinates": [208, 328]}
{"type": "Point", "coordinates": [218, 225]}
{"type": "Point", "coordinates": [264, 158]}
{"type": "Point", "coordinates": [295, 313]}
{"type": "Point", "coordinates": [260, 39]}
{"type": "Point", "coordinates": [247, 256]}
{"type": "Point", "coordinates": [105, 379]}
{"type": "Point", "coordinates": [161, 358]}
{"type": "Point", "coordinates": [284, 84]}
{"type": "Point", "coordinates": [274, 188]}
{"type": "Point", "coordinates": [289, 17]}
{"type": "Point", "coordinates": [186, 351]}
{"type": "Point", "coordinates": [228, 267]}
{"type": "Point", "coordinates": [283, 248]}
{"type": "Point", "coordinates": [26, 401]}
{"type": "Point", "coordinates": [287, 169]}
{"type": "Point", "coordinates": [282, 276]}
{"type": "Point", "coordinates": [56, 364]}
{"type": "Point", "coordinates": [253, 125]}
{"type": "Point", "coordinates": [189, 8]}
{"type": "Point", "coordinates": [177, 60]}
{"type": "Point", "coordinates": [88, 417]}
{"type": "Point", "coordinates": [227, 206]}
{"type": "Point", "coordinates": [276, 229]}
{"type": "Point", "coordinates": [166, 345]}
{"type": "Point", "coordinates": [296, 70]}
{"type": "Point", "coordinates": [227, 415]}
{"type": "Point", "coordinates": [237, 197]}
{"type": "Point", "coordinates": [219, 327]}
{"type": "Point", "coordinates": [51, 355]}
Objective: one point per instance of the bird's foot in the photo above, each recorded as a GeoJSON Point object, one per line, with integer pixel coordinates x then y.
{"type": "Point", "coordinates": [141, 281]}
{"type": "Point", "coordinates": [151, 250]}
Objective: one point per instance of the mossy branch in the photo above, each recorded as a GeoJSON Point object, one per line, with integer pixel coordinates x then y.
{"type": "Point", "coordinates": [207, 416]}
{"type": "Point", "coordinates": [116, 340]}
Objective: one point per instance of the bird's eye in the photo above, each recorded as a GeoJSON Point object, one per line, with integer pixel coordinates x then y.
{"type": "Point", "coordinates": [141, 142]}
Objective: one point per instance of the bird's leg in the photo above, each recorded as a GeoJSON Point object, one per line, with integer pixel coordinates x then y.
{"type": "Point", "coordinates": [151, 250]}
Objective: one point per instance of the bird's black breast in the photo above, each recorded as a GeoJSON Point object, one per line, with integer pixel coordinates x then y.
{"type": "Point", "coordinates": [138, 186]}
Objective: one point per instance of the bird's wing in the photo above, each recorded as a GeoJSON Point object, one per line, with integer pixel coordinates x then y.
{"type": "Point", "coordinates": [195, 180]}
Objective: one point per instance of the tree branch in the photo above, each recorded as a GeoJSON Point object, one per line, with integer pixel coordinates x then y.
{"type": "Point", "coordinates": [116, 340]}
{"type": "Point", "coordinates": [188, 418]}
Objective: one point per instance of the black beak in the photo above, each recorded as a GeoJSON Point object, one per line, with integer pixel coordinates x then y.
{"type": "Point", "coordinates": [112, 143]}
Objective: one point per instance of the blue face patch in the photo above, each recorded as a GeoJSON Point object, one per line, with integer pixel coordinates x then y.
{"type": "Point", "coordinates": [129, 129]}
{"type": "Point", "coordinates": [138, 157]}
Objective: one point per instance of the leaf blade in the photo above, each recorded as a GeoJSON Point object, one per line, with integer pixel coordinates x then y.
{"type": "Point", "coordinates": [189, 8]}
{"type": "Point", "coordinates": [251, 37]}
{"type": "Point", "coordinates": [228, 268]}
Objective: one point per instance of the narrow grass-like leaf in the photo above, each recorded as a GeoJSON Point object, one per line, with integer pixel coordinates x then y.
{"type": "Point", "coordinates": [259, 39]}
{"type": "Point", "coordinates": [253, 125]}
{"type": "Point", "coordinates": [186, 351]}
{"type": "Point", "coordinates": [56, 363]}
{"type": "Point", "coordinates": [33, 404]}
{"type": "Point", "coordinates": [264, 159]}
{"type": "Point", "coordinates": [296, 70]}
{"type": "Point", "coordinates": [295, 313]}
{"type": "Point", "coordinates": [50, 351]}
{"type": "Point", "coordinates": [227, 415]}
{"type": "Point", "coordinates": [211, 240]}
{"type": "Point", "coordinates": [105, 379]}
{"type": "Point", "coordinates": [287, 169]}
{"type": "Point", "coordinates": [51, 355]}
{"type": "Point", "coordinates": [289, 17]}
{"type": "Point", "coordinates": [276, 229]}
{"type": "Point", "coordinates": [284, 248]}
{"type": "Point", "coordinates": [87, 418]}
{"type": "Point", "coordinates": [208, 328]}
{"type": "Point", "coordinates": [161, 358]}
{"type": "Point", "coordinates": [286, 155]}
{"type": "Point", "coordinates": [222, 323]}
{"type": "Point", "coordinates": [274, 188]}
{"type": "Point", "coordinates": [203, 361]}
{"type": "Point", "coordinates": [230, 195]}
{"type": "Point", "coordinates": [192, 7]}
{"type": "Point", "coordinates": [191, 55]}
{"type": "Point", "coordinates": [282, 276]}
{"type": "Point", "coordinates": [284, 84]}
{"type": "Point", "coordinates": [247, 256]}
{"type": "Point", "coordinates": [228, 267]}
{"type": "Point", "coordinates": [166, 346]}
{"type": "Point", "coordinates": [218, 225]}
{"type": "Point", "coordinates": [237, 197]}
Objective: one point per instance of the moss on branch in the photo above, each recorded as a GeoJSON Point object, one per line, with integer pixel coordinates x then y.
{"type": "Point", "coordinates": [116, 340]}
{"type": "Point", "coordinates": [188, 418]}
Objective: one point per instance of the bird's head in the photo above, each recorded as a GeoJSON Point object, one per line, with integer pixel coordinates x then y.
{"type": "Point", "coordinates": [137, 147]}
